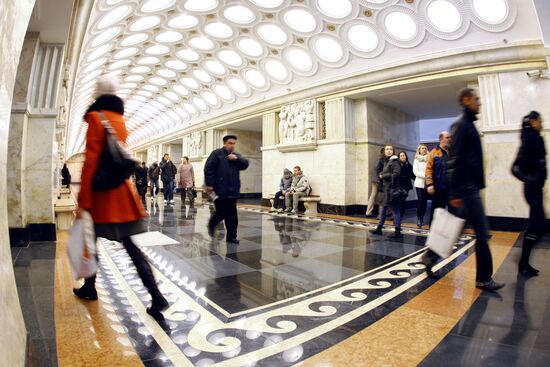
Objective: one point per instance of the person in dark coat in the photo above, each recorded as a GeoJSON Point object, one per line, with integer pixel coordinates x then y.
{"type": "Point", "coordinates": [153, 173]}
{"type": "Point", "coordinates": [221, 176]}
{"type": "Point", "coordinates": [168, 176]}
{"type": "Point", "coordinates": [390, 177]}
{"type": "Point", "coordinates": [530, 168]}
{"type": "Point", "coordinates": [141, 181]}
{"type": "Point", "coordinates": [407, 177]}
{"type": "Point", "coordinates": [66, 176]}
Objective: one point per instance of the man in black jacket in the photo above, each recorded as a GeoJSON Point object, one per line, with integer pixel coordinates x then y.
{"type": "Point", "coordinates": [168, 176]}
{"type": "Point", "coordinates": [465, 179]}
{"type": "Point", "coordinates": [141, 181]}
{"type": "Point", "coordinates": [153, 174]}
{"type": "Point", "coordinates": [221, 176]}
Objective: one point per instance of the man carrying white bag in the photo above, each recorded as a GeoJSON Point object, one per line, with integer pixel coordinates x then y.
{"type": "Point", "coordinates": [81, 247]}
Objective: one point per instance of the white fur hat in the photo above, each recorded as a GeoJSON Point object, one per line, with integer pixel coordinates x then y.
{"type": "Point", "coordinates": [106, 84]}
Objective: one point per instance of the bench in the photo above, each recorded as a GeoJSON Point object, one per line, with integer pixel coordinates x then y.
{"type": "Point", "coordinates": [310, 202]}
{"type": "Point", "coordinates": [64, 213]}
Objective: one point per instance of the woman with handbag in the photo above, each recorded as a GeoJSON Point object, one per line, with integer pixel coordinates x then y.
{"type": "Point", "coordinates": [112, 200]}
{"type": "Point", "coordinates": [185, 178]}
{"type": "Point", "coordinates": [393, 193]}
{"type": "Point", "coordinates": [419, 170]}
{"type": "Point", "coordinates": [407, 178]}
{"type": "Point", "coordinates": [530, 168]}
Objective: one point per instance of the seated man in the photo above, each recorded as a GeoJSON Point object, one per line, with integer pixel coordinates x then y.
{"type": "Point", "coordinates": [284, 187]}
{"type": "Point", "coordinates": [299, 188]}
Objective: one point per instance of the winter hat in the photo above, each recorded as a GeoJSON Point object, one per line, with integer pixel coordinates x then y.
{"type": "Point", "coordinates": [106, 84]}
{"type": "Point", "coordinates": [286, 171]}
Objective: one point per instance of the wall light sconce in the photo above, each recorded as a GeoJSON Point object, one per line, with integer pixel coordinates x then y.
{"type": "Point", "coordinates": [539, 74]}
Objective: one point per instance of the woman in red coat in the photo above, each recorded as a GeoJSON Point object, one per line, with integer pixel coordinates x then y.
{"type": "Point", "coordinates": [117, 213]}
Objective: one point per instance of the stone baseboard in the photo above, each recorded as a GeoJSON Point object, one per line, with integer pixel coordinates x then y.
{"type": "Point", "coordinates": [20, 237]}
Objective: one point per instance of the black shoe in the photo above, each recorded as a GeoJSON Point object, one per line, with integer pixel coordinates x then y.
{"type": "Point", "coordinates": [370, 216]}
{"type": "Point", "coordinates": [490, 286]}
{"type": "Point", "coordinates": [428, 264]}
{"type": "Point", "coordinates": [156, 309]}
{"type": "Point", "coordinates": [233, 240]}
{"type": "Point", "coordinates": [85, 294]}
{"type": "Point", "coordinates": [397, 234]}
{"type": "Point", "coordinates": [528, 270]}
{"type": "Point", "coordinates": [210, 231]}
{"type": "Point", "coordinates": [377, 230]}
{"type": "Point", "coordinates": [419, 223]}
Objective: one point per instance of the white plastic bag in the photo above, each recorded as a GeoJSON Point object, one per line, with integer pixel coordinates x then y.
{"type": "Point", "coordinates": [82, 236]}
{"type": "Point", "coordinates": [444, 232]}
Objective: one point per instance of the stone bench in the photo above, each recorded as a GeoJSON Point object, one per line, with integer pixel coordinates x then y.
{"type": "Point", "coordinates": [310, 202]}
{"type": "Point", "coordinates": [64, 213]}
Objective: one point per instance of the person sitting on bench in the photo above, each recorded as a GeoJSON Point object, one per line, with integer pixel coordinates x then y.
{"type": "Point", "coordinates": [284, 187]}
{"type": "Point", "coordinates": [299, 188]}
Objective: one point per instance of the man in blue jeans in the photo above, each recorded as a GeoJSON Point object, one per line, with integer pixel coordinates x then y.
{"type": "Point", "coordinates": [465, 179]}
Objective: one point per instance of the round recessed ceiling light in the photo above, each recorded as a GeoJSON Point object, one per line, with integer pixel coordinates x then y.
{"type": "Point", "coordinates": [151, 88]}
{"type": "Point", "coordinates": [128, 85]}
{"type": "Point", "coordinates": [400, 25]}
{"type": "Point", "coordinates": [202, 75]}
{"type": "Point", "coordinates": [134, 39]}
{"type": "Point", "coordinates": [223, 92]}
{"type": "Point", "coordinates": [335, 9]}
{"type": "Point", "coordinates": [299, 59]}
{"type": "Point", "coordinates": [250, 47]}
{"type": "Point", "coordinates": [145, 23]}
{"type": "Point", "coordinates": [114, 16]}
{"type": "Point", "coordinates": [144, 93]}
{"type": "Point", "coordinates": [300, 20]}
{"type": "Point", "coordinates": [255, 78]}
{"type": "Point", "coordinates": [180, 111]}
{"type": "Point", "coordinates": [202, 43]}
{"type": "Point", "coordinates": [94, 65]}
{"type": "Point", "coordinates": [190, 108]}
{"type": "Point", "coordinates": [273, 34]}
{"type": "Point", "coordinates": [362, 37]}
{"type": "Point", "coordinates": [166, 73]}
{"type": "Point", "coordinates": [210, 98]}
{"type": "Point", "coordinates": [238, 85]}
{"type": "Point", "coordinates": [491, 11]}
{"type": "Point", "coordinates": [169, 37]}
{"type": "Point", "coordinates": [181, 90]}
{"type": "Point", "coordinates": [175, 65]}
{"type": "Point", "coordinates": [105, 36]}
{"type": "Point", "coordinates": [200, 104]}
{"type": "Point", "coordinates": [183, 21]}
{"type": "Point", "coordinates": [200, 5]}
{"type": "Point", "coordinates": [98, 52]}
{"type": "Point", "coordinates": [218, 30]}
{"type": "Point", "coordinates": [270, 4]}
{"type": "Point", "coordinates": [444, 15]}
{"type": "Point", "coordinates": [230, 57]}
{"type": "Point", "coordinates": [152, 6]}
{"type": "Point", "coordinates": [148, 60]}
{"type": "Point", "coordinates": [140, 70]}
{"type": "Point", "coordinates": [188, 54]}
{"type": "Point", "coordinates": [133, 78]}
{"type": "Point", "coordinates": [215, 67]}
{"type": "Point", "coordinates": [239, 14]}
{"type": "Point", "coordinates": [165, 101]}
{"type": "Point", "coordinates": [171, 95]}
{"type": "Point", "coordinates": [328, 49]}
{"type": "Point", "coordinates": [276, 70]}
{"type": "Point", "coordinates": [158, 81]}
{"type": "Point", "coordinates": [190, 83]}
{"type": "Point", "coordinates": [126, 52]}
{"type": "Point", "coordinates": [119, 64]}
{"type": "Point", "coordinates": [157, 50]}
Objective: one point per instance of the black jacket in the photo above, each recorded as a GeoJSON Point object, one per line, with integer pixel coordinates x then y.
{"type": "Point", "coordinates": [391, 180]}
{"type": "Point", "coordinates": [141, 176]}
{"type": "Point", "coordinates": [465, 161]}
{"type": "Point", "coordinates": [168, 171]}
{"type": "Point", "coordinates": [153, 172]}
{"type": "Point", "coordinates": [530, 163]}
{"type": "Point", "coordinates": [223, 174]}
{"type": "Point", "coordinates": [407, 176]}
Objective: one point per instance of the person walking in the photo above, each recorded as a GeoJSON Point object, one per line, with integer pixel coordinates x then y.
{"type": "Point", "coordinates": [436, 174]}
{"type": "Point", "coordinates": [375, 185]}
{"type": "Point", "coordinates": [117, 213]}
{"type": "Point", "coordinates": [185, 178]}
{"type": "Point", "coordinates": [465, 180]}
{"type": "Point", "coordinates": [284, 187]}
{"type": "Point", "coordinates": [65, 176]}
{"type": "Point", "coordinates": [407, 178]}
{"type": "Point", "coordinates": [221, 176]}
{"type": "Point", "coordinates": [392, 195]}
{"type": "Point", "coordinates": [141, 181]}
{"type": "Point", "coordinates": [419, 170]}
{"type": "Point", "coordinates": [530, 167]}
{"type": "Point", "coordinates": [168, 176]}
{"type": "Point", "coordinates": [298, 189]}
{"type": "Point", "coordinates": [153, 174]}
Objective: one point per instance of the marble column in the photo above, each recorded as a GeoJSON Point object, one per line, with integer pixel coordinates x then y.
{"type": "Point", "coordinates": [13, 25]}
{"type": "Point", "coordinates": [270, 130]}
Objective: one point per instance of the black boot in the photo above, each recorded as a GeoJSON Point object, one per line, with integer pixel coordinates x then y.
{"type": "Point", "coordinates": [524, 267]}
{"type": "Point", "coordinates": [397, 233]}
{"type": "Point", "coordinates": [419, 223]}
{"type": "Point", "coordinates": [377, 230]}
{"type": "Point", "coordinates": [87, 292]}
{"type": "Point", "coordinates": [159, 304]}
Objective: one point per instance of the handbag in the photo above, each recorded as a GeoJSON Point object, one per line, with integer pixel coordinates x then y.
{"type": "Point", "coordinates": [444, 232]}
{"type": "Point", "coordinates": [116, 163]}
{"type": "Point", "coordinates": [81, 247]}
{"type": "Point", "coordinates": [194, 192]}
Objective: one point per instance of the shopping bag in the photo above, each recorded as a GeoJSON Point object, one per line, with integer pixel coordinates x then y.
{"type": "Point", "coordinates": [444, 232]}
{"type": "Point", "coordinates": [81, 247]}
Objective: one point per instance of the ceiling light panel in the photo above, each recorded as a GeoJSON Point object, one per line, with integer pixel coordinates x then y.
{"type": "Point", "coordinates": [239, 14]}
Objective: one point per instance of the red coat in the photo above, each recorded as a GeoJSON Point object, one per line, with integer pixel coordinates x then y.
{"type": "Point", "coordinates": [112, 206]}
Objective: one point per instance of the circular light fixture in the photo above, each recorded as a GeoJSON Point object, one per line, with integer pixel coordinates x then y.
{"type": "Point", "coordinates": [175, 65]}
{"type": "Point", "coordinates": [190, 83]}
{"type": "Point", "coordinates": [491, 11]}
{"type": "Point", "coordinates": [400, 25]}
{"type": "Point", "coordinates": [145, 23]}
{"type": "Point", "coordinates": [202, 75]}
{"type": "Point", "coordinates": [255, 78]}
{"type": "Point", "coordinates": [328, 49]}
{"type": "Point", "coordinates": [140, 70]}
{"type": "Point", "coordinates": [200, 5]}
{"type": "Point", "coordinates": [181, 90]}
{"type": "Point", "coordinates": [218, 30]}
{"type": "Point", "coordinates": [158, 81]}
{"type": "Point", "coordinates": [98, 52]}
{"type": "Point", "coordinates": [444, 15]}
{"type": "Point", "coordinates": [200, 104]}
{"type": "Point", "coordinates": [129, 85]}
{"type": "Point", "coordinates": [239, 14]}
{"type": "Point", "coordinates": [165, 101]}
{"type": "Point", "coordinates": [114, 16]}
{"type": "Point", "coordinates": [169, 37]}
{"type": "Point", "coordinates": [250, 47]}
{"type": "Point", "coordinates": [184, 115]}
{"type": "Point", "coordinates": [362, 37]}
{"type": "Point", "coordinates": [171, 95]}
{"type": "Point", "coordinates": [94, 65]}
{"type": "Point", "coordinates": [133, 78]}
{"type": "Point", "coordinates": [238, 86]}
{"type": "Point", "coordinates": [230, 57]}
{"type": "Point", "coordinates": [105, 36]}
{"type": "Point", "coordinates": [188, 54]}
{"type": "Point", "coordinates": [127, 52]}
{"type": "Point", "coordinates": [276, 70]}
{"type": "Point", "coordinates": [119, 64]}
{"type": "Point", "coordinates": [144, 93]}
{"type": "Point", "coordinates": [152, 6]}
{"type": "Point", "coordinates": [202, 43]}
{"type": "Point", "coordinates": [166, 73]}
{"type": "Point", "coordinates": [270, 4]}
{"type": "Point", "coordinates": [299, 59]}
{"type": "Point", "coordinates": [134, 39]}
{"type": "Point", "coordinates": [148, 60]}
{"type": "Point", "coordinates": [272, 33]}
{"type": "Point", "coordinates": [183, 21]}
{"type": "Point", "coordinates": [223, 92]}
{"type": "Point", "coordinates": [190, 108]}
{"type": "Point", "coordinates": [335, 9]}
{"type": "Point", "coordinates": [157, 50]}
{"type": "Point", "coordinates": [215, 67]}
{"type": "Point", "coordinates": [210, 98]}
{"type": "Point", "coordinates": [300, 20]}
{"type": "Point", "coordinates": [151, 88]}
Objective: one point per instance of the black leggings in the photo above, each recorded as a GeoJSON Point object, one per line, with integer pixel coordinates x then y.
{"type": "Point", "coordinates": [537, 221]}
{"type": "Point", "coordinates": [422, 196]}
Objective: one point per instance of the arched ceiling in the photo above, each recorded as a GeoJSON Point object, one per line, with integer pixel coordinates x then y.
{"type": "Point", "coordinates": [181, 60]}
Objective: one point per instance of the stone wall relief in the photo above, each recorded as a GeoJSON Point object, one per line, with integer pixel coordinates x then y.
{"type": "Point", "coordinates": [195, 144]}
{"type": "Point", "coordinates": [297, 124]}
